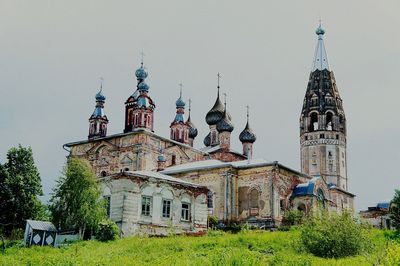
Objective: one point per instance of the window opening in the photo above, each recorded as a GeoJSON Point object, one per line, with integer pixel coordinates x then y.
{"type": "Point", "coordinates": [146, 205]}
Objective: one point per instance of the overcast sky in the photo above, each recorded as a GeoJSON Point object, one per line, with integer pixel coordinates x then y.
{"type": "Point", "coordinates": [52, 54]}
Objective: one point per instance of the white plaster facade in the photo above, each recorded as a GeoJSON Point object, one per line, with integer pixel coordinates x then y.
{"type": "Point", "coordinates": [128, 189]}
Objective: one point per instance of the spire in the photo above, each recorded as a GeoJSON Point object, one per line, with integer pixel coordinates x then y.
{"type": "Point", "coordinates": [320, 61]}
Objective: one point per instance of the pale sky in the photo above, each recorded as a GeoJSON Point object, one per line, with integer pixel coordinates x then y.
{"type": "Point", "coordinates": [52, 54]}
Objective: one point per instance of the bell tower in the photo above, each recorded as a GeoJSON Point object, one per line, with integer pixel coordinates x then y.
{"type": "Point", "coordinates": [323, 123]}
{"type": "Point", "coordinates": [139, 107]}
{"type": "Point", "coordinates": [98, 120]}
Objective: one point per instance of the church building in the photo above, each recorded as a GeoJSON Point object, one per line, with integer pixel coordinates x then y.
{"type": "Point", "coordinates": [153, 183]}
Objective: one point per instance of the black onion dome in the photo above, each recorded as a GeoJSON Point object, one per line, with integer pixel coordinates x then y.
{"type": "Point", "coordinates": [192, 129]}
{"type": "Point", "coordinates": [207, 140]}
{"type": "Point", "coordinates": [193, 132]}
{"type": "Point", "coordinates": [225, 124]}
{"type": "Point", "coordinates": [216, 113]}
{"type": "Point", "coordinates": [247, 135]}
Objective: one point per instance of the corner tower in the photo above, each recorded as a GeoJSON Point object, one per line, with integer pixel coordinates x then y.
{"type": "Point", "coordinates": [323, 123]}
{"type": "Point", "coordinates": [98, 120]}
{"type": "Point", "coordinates": [179, 128]}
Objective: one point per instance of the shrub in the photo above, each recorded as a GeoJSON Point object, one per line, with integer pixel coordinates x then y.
{"type": "Point", "coordinates": [212, 221]}
{"type": "Point", "coordinates": [107, 230]}
{"type": "Point", "coordinates": [333, 235]}
{"type": "Point", "coordinates": [293, 217]}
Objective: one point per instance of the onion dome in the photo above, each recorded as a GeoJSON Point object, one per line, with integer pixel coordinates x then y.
{"type": "Point", "coordinates": [142, 86]}
{"type": "Point", "coordinates": [180, 103]}
{"type": "Point", "coordinates": [207, 140]}
{"type": "Point", "coordinates": [100, 96]}
{"type": "Point", "coordinates": [216, 113]}
{"type": "Point", "coordinates": [192, 129]}
{"type": "Point", "coordinates": [320, 31]}
{"type": "Point", "coordinates": [247, 135]}
{"type": "Point", "coordinates": [193, 132]}
{"type": "Point", "coordinates": [141, 73]}
{"type": "Point", "coordinates": [225, 124]}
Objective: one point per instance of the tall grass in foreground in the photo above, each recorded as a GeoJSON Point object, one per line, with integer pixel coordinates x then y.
{"type": "Point", "coordinates": [246, 248]}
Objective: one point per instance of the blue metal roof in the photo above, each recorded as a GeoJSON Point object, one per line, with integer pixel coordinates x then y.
{"type": "Point", "coordinates": [305, 189]}
{"type": "Point", "coordinates": [98, 111]}
{"type": "Point", "coordinates": [383, 205]}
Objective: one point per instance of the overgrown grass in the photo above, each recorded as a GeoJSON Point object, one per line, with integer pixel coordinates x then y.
{"type": "Point", "coordinates": [245, 248]}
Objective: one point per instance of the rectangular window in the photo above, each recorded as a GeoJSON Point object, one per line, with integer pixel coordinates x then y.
{"type": "Point", "coordinates": [146, 205]}
{"type": "Point", "coordinates": [210, 200]}
{"type": "Point", "coordinates": [185, 212]}
{"type": "Point", "coordinates": [108, 205]}
{"type": "Point", "coordinates": [166, 209]}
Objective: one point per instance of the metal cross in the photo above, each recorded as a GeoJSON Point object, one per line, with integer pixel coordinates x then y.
{"type": "Point", "coordinates": [219, 77]}
{"type": "Point", "coordinates": [101, 83]}
{"type": "Point", "coordinates": [224, 98]}
{"type": "Point", "coordinates": [190, 105]}
{"type": "Point", "coordinates": [181, 86]}
{"type": "Point", "coordinates": [142, 54]}
{"type": "Point", "coordinates": [247, 107]}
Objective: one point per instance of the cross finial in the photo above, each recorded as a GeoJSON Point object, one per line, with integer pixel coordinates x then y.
{"type": "Point", "coordinates": [101, 83]}
{"type": "Point", "coordinates": [190, 105]}
{"type": "Point", "coordinates": [218, 78]}
{"type": "Point", "coordinates": [225, 95]}
{"type": "Point", "coordinates": [248, 108]}
{"type": "Point", "coordinates": [142, 55]}
{"type": "Point", "coordinates": [181, 86]}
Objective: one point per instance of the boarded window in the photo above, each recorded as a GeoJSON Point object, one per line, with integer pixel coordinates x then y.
{"type": "Point", "coordinates": [146, 205]}
{"type": "Point", "coordinates": [254, 198]}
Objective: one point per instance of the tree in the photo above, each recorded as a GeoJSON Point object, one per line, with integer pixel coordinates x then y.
{"type": "Point", "coordinates": [76, 202]}
{"type": "Point", "coordinates": [395, 210]}
{"type": "Point", "coordinates": [20, 186]}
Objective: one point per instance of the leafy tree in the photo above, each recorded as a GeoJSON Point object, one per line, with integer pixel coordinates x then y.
{"type": "Point", "coordinates": [395, 210]}
{"type": "Point", "coordinates": [20, 187]}
{"type": "Point", "coordinates": [76, 202]}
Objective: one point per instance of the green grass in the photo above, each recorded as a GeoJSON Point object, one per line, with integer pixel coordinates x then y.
{"type": "Point", "coordinates": [246, 248]}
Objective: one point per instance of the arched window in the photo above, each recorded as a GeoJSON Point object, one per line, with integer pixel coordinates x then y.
{"type": "Point", "coordinates": [103, 174]}
{"type": "Point", "coordinates": [313, 122]}
{"type": "Point", "coordinates": [329, 121]}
